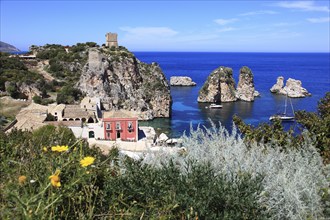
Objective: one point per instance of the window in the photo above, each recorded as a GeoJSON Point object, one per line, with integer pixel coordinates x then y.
{"type": "Point", "coordinates": [118, 126]}
{"type": "Point", "coordinates": [130, 127]}
{"type": "Point", "coordinates": [108, 126]}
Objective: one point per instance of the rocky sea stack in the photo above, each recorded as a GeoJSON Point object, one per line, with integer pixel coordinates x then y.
{"type": "Point", "coordinates": [181, 81]}
{"type": "Point", "coordinates": [123, 82]}
{"type": "Point", "coordinates": [245, 87]}
{"type": "Point", "coordinates": [220, 86]}
{"type": "Point", "coordinates": [293, 88]}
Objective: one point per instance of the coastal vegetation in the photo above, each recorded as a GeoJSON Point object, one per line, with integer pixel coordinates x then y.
{"type": "Point", "coordinates": [14, 73]}
{"type": "Point", "coordinates": [272, 174]}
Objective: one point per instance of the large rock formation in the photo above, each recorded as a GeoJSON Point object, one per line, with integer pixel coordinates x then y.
{"type": "Point", "coordinates": [123, 82]}
{"type": "Point", "coordinates": [219, 86]}
{"type": "Point", "coordinates": [245, 87]}
{"type": "Point", "coordinates": [293, 88]}
{"type": "Point", "coordinates": [181, 81]}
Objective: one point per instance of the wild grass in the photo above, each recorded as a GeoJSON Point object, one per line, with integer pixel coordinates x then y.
{"type": "Point", "coordinates": [10, 107]}
{"type": "Point", "coordinates": [294, 179]}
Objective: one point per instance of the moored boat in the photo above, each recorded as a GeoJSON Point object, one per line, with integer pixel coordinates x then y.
{"type": "Point", "coordinates": [215, 106]}
{"type": "Point", "coordinates": [284, 116]}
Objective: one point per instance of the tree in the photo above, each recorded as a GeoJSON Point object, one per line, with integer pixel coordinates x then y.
{"type": "Point", "coordinates": [318, 124]}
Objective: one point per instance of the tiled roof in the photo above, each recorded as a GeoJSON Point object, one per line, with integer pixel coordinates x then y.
{"type": "Point", "coordinates": [55, 108]}
{"type": "Point", "coordinates": [74, 111]}
{"type": "Point", "coordinates": [120, 114]}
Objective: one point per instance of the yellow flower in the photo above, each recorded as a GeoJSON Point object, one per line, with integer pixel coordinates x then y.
{"type": "Point", "coordinates": [87, 161]}
{"type": "Point", "coordinates": [60, 148]}
{"type": "Point", "coordinates": [55, 179]}
{"type": "Point", "coordinates": [21, 179]}
{"type": "Point", "coordinates": [44, 149]}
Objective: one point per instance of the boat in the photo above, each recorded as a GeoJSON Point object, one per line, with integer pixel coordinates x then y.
{"type": "Point", "coordinates": [284, 116]}
{"type": "Point", "coordinates": [215, 106]}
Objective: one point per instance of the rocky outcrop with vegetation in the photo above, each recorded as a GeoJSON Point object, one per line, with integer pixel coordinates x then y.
{"type": "Point", "coordinates": [245, 87]}
{"type": "Point", "coordinates": [181, 81]}
{"type": "Point", "coordinates": [220, 86]}
{"type": "Point", "coordinates": [17, 81]}
{"type": "Point", "coordinates": [123, 82]}
{"type": "Point", "coordinates": [293, 88]}
{"type": "Point", "coordinates": [67, 73]}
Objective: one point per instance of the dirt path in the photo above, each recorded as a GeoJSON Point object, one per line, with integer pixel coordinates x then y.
{"type": "Point", "coordinates": [40, 69]}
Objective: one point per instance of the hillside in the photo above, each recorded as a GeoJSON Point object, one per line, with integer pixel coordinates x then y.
{"type": "Point", "coordinates": [4, 47]}
{"type": "Point", "coordinates": [67, 74]}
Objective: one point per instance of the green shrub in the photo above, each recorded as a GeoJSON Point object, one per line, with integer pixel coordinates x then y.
{"type": "Point", "coordinates": [37, 99]}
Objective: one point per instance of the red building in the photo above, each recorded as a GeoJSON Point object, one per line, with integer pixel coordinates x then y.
{"type": "Point", "coordinates": [120, 126]}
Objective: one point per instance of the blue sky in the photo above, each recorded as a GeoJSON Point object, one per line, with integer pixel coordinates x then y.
{"type": "Point", "coordinates": [219, 26]}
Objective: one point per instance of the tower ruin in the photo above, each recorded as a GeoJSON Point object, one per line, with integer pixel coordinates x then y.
{"type": "Point", "coordinates": [111, 39]}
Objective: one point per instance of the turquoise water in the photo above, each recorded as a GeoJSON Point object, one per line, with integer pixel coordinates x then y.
{"type": "Point", "coordinates": [311, 68]}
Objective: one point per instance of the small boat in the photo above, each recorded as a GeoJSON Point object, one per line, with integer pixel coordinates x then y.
{"type": "Point", "coordinates": [215, 106]}
{"type": "Point", "coordinates": [284, 116]}
{"type": "Point", "coordinates": [281, 117]}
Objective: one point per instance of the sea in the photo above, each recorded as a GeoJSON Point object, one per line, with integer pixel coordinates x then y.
{"type": "Point", "coordinates": [312, 69]}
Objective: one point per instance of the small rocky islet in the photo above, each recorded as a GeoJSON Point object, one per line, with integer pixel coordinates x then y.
{"type": "Point", "coordinates": [293, 88]}
{"type": "Point", "coordinates": [181, 81]}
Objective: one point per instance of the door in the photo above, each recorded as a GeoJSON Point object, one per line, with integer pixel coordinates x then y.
{"type": "Point", "coordinates": [91, 134]}
{"type": "Point", "coordinates": [118, 134]}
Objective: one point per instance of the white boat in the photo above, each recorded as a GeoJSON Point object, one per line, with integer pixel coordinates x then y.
{"type": "Point", "coordinates": [284, 116]}
{"type": "Point", "coordinates": [215, 106]}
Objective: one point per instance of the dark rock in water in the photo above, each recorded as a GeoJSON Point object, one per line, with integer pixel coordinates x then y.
{"type": "Point", "coordinates": [123, 82]}
{"type": "Point", "coordinates": [4, 47]}
{"type": "Point", "coordinates": [219, 86]}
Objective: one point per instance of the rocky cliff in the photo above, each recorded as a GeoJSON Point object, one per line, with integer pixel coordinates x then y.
{"type": "Point", "coordinates": [293, 88]}
{"type": "Point", "coordinates": [123, 82]}
{"type": "Point", "coordinates": [245, 87]}
{"type": "Point", "coordinates": [219, 86]}
{"type": "Point", "coordinates": [181, 81]}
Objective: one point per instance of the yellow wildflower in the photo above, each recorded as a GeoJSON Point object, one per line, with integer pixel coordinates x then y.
{"type": "Point", "coordinates": [55, 179]}
{"type": "Point", "coordinates": [60, 148]}
{"type": "Point", "coordinates": [21, 179]}
{"type": "Point", "coordinates": [44, 149]}
{"type": "Point", "coordinates": [87, 161]}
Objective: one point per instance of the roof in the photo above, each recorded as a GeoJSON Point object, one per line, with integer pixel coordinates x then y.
{"type": "Point", "coordinates": [31, 117]}
{"type": "Point", "coordinates": [36, 108]}
{"type": "Point", "coordinates": [77, 113]}
{"type": "Point", "coordinates": [65, 123]}
{"type": "Point", "coordinates": [120, 114]}
{"type": "Point", "coordinates": [55, 108]}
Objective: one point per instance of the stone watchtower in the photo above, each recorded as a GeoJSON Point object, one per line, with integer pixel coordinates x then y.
{"type": "Point", "coordinates": [111, 40]}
